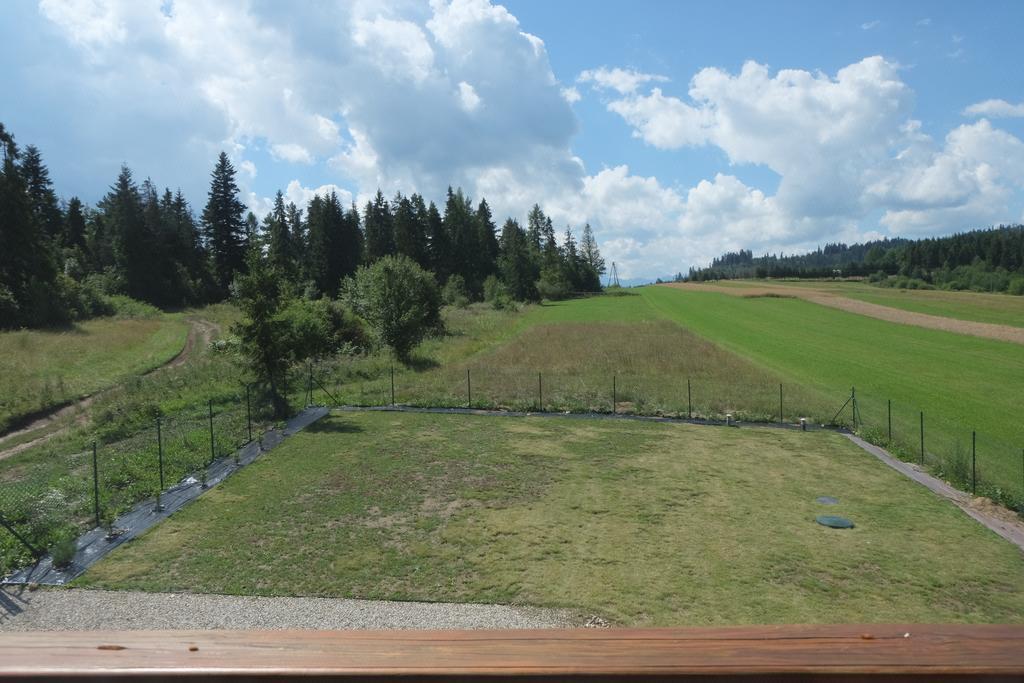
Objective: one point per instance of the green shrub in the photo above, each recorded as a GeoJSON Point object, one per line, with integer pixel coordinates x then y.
{"type": "Point", "coordinates": [399, 301]}
{"type": "Point", "coordinates": [62, 552]}
{"type": "Point", "coordinates": [454, 292]}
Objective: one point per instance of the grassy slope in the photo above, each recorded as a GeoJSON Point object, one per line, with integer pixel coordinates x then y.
{"type": "Point", "coordinates": [647, 524]}
{"type": "Point", "coordinates": [39, 369]}
{"type": "Point", "coordinates": [961, 382]}
{"type": "Point", "coordinates": [998, 309]}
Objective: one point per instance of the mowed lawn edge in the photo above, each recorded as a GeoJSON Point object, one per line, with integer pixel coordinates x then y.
{"type": "Point", "coordinates": [642, 523]}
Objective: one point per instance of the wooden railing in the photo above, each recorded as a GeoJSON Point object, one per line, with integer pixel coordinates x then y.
{"type": "Point", "coordinates": [776, 653]}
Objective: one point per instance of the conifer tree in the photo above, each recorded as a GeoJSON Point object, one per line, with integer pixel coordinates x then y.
{"type": "Point", "coordinates": [380, 236]}
{"type": "Point", "coordinates": [224, 224]}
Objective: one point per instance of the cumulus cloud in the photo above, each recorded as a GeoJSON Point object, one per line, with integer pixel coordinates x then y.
{"type": "Point", "coordinates": [625, 81]}
{"type": "Point", "coordinates": [995, 109]}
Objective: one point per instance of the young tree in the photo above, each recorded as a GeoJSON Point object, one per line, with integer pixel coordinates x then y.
{"type": "Point", "coordinates": [399, 300]}
{"type": "Point", "coordinates": [589, 251]}
{"type": "Point", "coordinates": [223, 223]}
{"type": "Point", "coordinates": [264, 333]}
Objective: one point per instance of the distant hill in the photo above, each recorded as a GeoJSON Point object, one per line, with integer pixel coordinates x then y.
{"type": "Point", "coordinates": [984, 260]}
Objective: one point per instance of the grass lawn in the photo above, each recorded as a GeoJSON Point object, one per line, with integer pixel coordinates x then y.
{"type": "Point", "coordinates": [643, 523]}
{"type": "Point", "coordinates": [961, 383]}
{"type": "Point", "coordinates": [41, 368]}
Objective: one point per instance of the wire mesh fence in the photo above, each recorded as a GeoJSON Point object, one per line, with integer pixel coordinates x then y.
{"type": "Point", "coordinates": [49, 504]}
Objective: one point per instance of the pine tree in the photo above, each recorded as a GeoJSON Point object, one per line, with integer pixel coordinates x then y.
{"type": "Point", "coordinates": [460, 226]}
{"type": "Point", "coordinates": [410, 239]}
{"type": "Point", "coordinates": [223, 224]}
{"type": "Point", "coordinates": [126, 230]}
{"type": "Point", "coordinates": [74, 225]}
{"type": "Point", "coordinates": [42, 199]}
{"type": "Point", "coordinates": [439, 246]}
{"type": "Point", "coordinates": [380, 236]}
{"type": "Point", "coordinates": [26, 270]}
{"type": "Point", "coordinates": [515, 263]}
{"type": "Point", "coordinates": [279, 238]}
{"type": "Point", "coordinates": [593, 266]}
{"type": "Point", "coordinates": [487, 241]}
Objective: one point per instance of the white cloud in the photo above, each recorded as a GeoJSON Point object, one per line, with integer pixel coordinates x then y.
{"type": "Point", "coordinates": [926, 21]}
{"type": "Point", "coordinates": [868, 25]}
{"type": "Point", "coordinates": [468, 99]}
{"type": "Point", "coordinates": [995, 109]}
{"type": "Point", "coordinates": [291, 152]}
{"type": "Point", "coordinates": [413, 98]}
{"type": "Point", "coordinates": [625, 81]}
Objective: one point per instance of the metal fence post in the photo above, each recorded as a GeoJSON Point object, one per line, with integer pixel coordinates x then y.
{"type": "Point", "coordinates": [248, 412]}
{"type": "Point", "coordinates": [974, 463]}
{"type": "Point", "coordinates": [689, 401]}
{"type": "Point", "coordinates": [310, 384]}
{"type": "Point", "coordinates": [922, 437]}
{"type": "Point", "coordinates": [540, 391]}
{"type": "Point", "coordinates": [853, 406]}
{"type": "Point", "coordinates": [160, 452]}
{"type": "Point", "coordinates": [469, 390]}
{"type": "Point", "coordinates": [95, 484]}
{"type": "Point", "coordinates": [781, 420]}
{"type": "Point", "coordinates": [614, 397]}
{"type": "Point", "coordinates": [213, 452]}
{"type": "Point", "coordinates": [890, 418]}
{"type": "Point", "coordinates": [392, 384]}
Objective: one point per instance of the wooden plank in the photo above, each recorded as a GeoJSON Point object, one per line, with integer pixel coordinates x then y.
{"type": "Point", "coordinates": [846, 652]}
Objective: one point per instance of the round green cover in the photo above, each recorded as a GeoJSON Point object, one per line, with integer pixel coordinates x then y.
{"type": "Point", "coordinates": [834, 521]}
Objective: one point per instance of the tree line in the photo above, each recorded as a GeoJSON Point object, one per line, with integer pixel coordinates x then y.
{"type": "Point", "coordinates": [984, 260]}
{"type": "Point", "coordinates": [64, 261]}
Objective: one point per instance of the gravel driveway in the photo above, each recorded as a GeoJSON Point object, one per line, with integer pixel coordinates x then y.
{"type": "Point", "coordinates": [83, 610]}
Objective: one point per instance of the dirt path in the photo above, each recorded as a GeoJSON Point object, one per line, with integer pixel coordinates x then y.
{"type": "Point", "coordinates": [1005, 333]}
{"type": "Point", "coordinates": [76, 413]}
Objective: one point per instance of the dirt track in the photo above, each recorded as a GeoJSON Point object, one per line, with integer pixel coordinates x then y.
{"type": "Point", "coordinates": [76, 413]}
{"type": "Point", "coordinates": [1005, 333]}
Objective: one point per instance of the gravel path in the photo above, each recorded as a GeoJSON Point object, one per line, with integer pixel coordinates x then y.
{"type": "Point", "coordinates": [83, 610]}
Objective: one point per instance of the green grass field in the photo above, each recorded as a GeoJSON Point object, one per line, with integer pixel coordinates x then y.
{"type": "Point", "coordinates": [41, 368]}
{"type": "Point", "coordinates": [998, 309]}
{"type": "Point", "coordinates": [962, 383]}
{"type": "Point", "coordinates": [642, 523]}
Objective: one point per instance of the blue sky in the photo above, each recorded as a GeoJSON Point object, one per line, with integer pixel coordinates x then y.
{"type": "Point", "coordinates": [678, 130]}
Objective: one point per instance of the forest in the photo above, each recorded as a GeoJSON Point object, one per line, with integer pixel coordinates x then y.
{"type": "Point", "coordinates": [64, 261]}
{"type": "Point", "coordinates": [989, 260]}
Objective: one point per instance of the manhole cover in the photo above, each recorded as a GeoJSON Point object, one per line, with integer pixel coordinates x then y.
{"type": "Point", "coordinates": [834, 521]}
{"type": "Point", "coordinates": [827, 500]}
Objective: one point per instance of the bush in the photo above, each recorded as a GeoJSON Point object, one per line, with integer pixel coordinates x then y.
{"type": "Point", "coordinates": [454, 292]}
{"type": "Point", "coordinates": [553, 284]}
{"type": "Point", "coordinates": [322, 328]}
{"type": "Point", "coordinates": [399, 300]}
{"type": "Point", "coordinates": [497, 294]}
{"type": "Point", "coordinates": [62, 552]}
